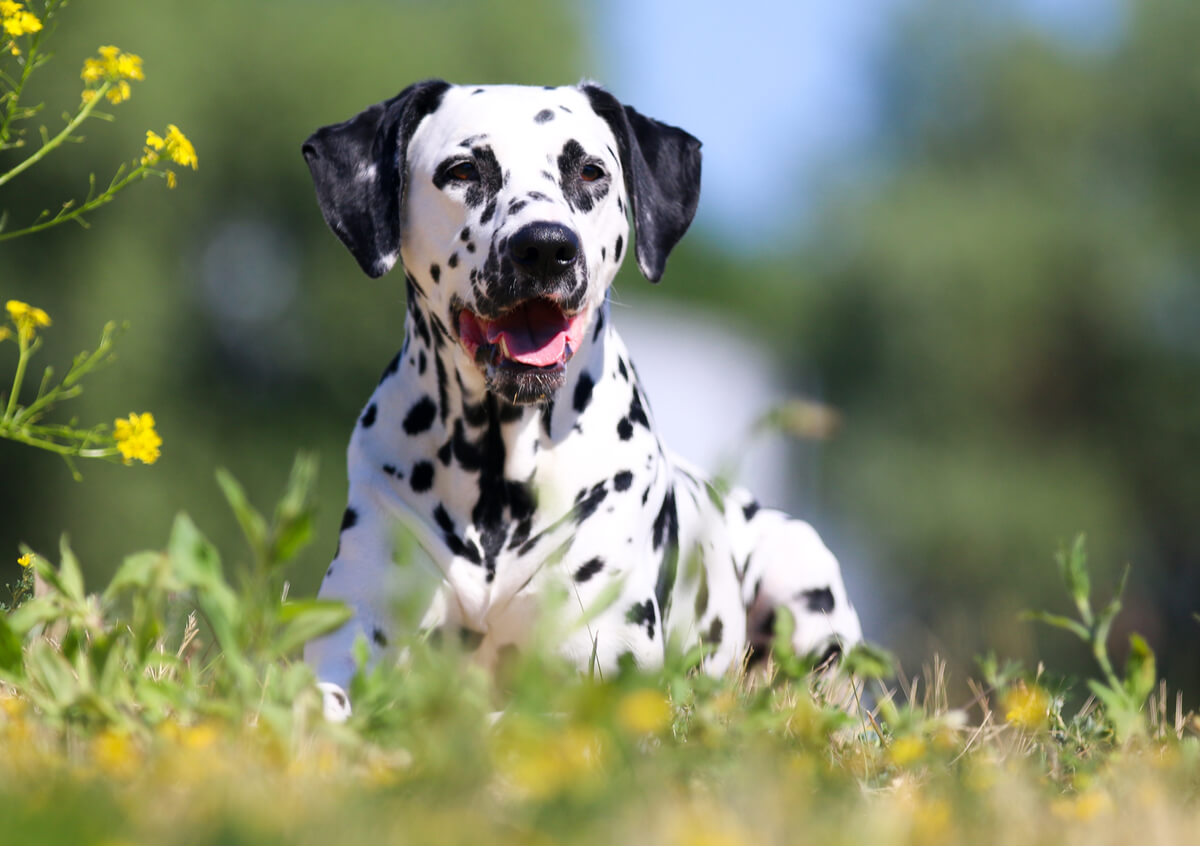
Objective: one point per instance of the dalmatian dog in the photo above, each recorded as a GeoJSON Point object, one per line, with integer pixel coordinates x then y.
{"type": "Point", "coordinates": [510, 435]}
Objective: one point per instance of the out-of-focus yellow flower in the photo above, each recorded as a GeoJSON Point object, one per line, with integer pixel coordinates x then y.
{"type": "Point", "coordinates": [115, 753]}
{"type": "Point", "coordinates": [644, 711]}
{"type": "Point", "coordinates": [113, 66]}
{"type": "Point", "coordinates": [136, 438]}
{"type": "Point", "coordinates": [538, 763]}
{"type": "Point", "coordinates": [906, 750]}
{"type": "Point", "coordinates": [17, 21]}
{"type": "Point", "coordinates": [1026, 706]}
{"type": "Point", "coordinates": [175, 147]}
{"type": "Point", "coordinates": [180, 149]}
{"type": "Point", "coordinates": [25, 560]}
{"type": "Point", "coordinates": [1083, 807]}
{"type": "Point", "coordinates": [26, 318]}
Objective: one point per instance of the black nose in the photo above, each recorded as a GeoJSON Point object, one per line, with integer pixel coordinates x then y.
{"type": "Point", "coordinates": [543, 250]}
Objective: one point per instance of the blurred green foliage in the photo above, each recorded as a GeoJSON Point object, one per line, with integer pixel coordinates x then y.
{"type": "Point", "coordinates": [1006, 314]}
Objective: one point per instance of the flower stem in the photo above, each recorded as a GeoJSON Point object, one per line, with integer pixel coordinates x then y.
{"type": "Point", "coordinates": [54, 142]}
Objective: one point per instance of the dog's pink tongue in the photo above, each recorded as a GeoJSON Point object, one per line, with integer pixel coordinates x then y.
{"type": "Point", "coordinates": [534, 334]}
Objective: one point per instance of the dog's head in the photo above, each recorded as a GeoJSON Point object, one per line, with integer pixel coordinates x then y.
{"type": "Point", "coordinates": [507, 206]}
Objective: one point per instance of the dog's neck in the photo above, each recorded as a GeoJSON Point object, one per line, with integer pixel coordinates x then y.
{"type": "Point", "coordinates": [507, 471]}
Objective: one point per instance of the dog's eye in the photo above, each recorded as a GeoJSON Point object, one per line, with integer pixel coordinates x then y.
{"type": "Point", "coordinates": [591, 173]}
{"type": "Point", "coordinates": [463, 172]}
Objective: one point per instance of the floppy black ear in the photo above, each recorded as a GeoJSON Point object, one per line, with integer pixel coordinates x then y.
{"type": "Point", "coordinates": [662, 177]}
{"type": "Point", "coordinates": [358, 169]}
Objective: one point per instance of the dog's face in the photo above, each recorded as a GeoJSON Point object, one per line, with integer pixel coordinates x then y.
{"type": "Point", "coordinates": [513, 226]}
{"type": "Point", "coordinates": [507, 206]}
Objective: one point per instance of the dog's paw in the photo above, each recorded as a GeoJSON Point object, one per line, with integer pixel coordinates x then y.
{"type": "Point", "coordinates": [335, 702]}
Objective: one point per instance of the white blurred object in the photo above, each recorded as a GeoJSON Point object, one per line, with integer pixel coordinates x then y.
{"type": "Point", "coordinates": [708, 386]}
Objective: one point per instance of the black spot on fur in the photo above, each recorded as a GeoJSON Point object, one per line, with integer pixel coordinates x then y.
{"type": "Point", "coordinates": [435, 272]}
{"type": "Point", "coordinates": [488, 211]}
{"type": "Point", "coordinates": [470, 246]}
{"type": "Point", "coordinates": [750, 509]}
{"type": "Point", "coordinates": [456, 545]}
{"type": "Point", "coordinates": [477, 91]}
{"type": "Point", "coordinates": [766, 627]}
{"type": "Point", "coordinates": [421, 362]}
{"type": "Point", "coordinates": [443, 403]}
{"type": "Point", "coordinates": [589, 569]}
{"type": "Point", "coordinates": [622, 480]}
{"type": "Point", "coordinates": [588, 501]}
{"type": "Point", "coordinates": [715, 631]}
{"type": "Point", "coordinates": [543, 116]}
{"type": "Point", "coordinates": [445, 451]}
{"type": "Point", "coordinates": [565, 109]}
{"type": "Point", "coordinates": [453, 260]}
{"type": "Point", "coordinates": [624, 429]}
{"type": "Point", "coordinates": [368, 417]}
{"type": "Point", "coordinates": [622, 370]}
{"type": "Point", "coordinates": [421, 477]}
{"type": "Point", "coordinates": [818, 599]}
{"type": "Point", "coordinates": [642, 614]}
{"type": "Point", "coordinates": [580, 195]}
{"type": "Point", "coordinates": [618, 247]}
{"type": "Point", "coordinates": [390, 470]}
{"type": "Point", "coordinates": [516, 206]}
{"type": "Point", "coordinates": [465, 234]}
{"type": "Point", "coordinates": [420, 416]}
{"type": "Point", "coordinates": [547, 417]}
{"type": "Point", "coordinates": [583, 391]}
{"type": "Point", "coordinates": [666, 537]}
{"type": "Point", "coordinates": [349, 519]}
{"type": "Point", "coordinates": [393, 366]}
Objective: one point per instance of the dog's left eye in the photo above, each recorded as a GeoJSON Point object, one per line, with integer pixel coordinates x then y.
{"type": "Point", "coordinates": [591, 173]}
{"type": "Point", "coordinates": [463, 172]}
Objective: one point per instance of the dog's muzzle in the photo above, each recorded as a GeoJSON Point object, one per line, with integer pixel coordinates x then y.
{"type": "Point", "coordinates": [523, 346]}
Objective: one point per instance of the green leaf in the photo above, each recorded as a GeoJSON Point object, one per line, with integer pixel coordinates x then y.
{"type": "Point", "coordinates": [293, 526]}
{"type": "Point", "coordinates": [1073, 567]}
{"type": "Point", "coordinates": [140, 571]}
{"type": "Point", "coordinates": [869, 661]}
{"type": "Point", "coordinates": [304, 620]}
{"type": "Point", "coordinates": [195, 561]}
{"type": "Point", "coordinates": [55, 676]}
{"type": "Point", "coordinates": [10, 649]}
{"type": "Point", "coordinates": [253, 525]}
{"type": "Point", "coordinates": [70, 577]}
{"type": "Point", "coordinates": [1069, 624]}
{"type": "Point", "coordinates": [1140, 672]}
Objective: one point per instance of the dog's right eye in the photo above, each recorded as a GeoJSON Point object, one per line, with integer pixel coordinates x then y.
{"type": "Point", "coordinates": [463, 172]}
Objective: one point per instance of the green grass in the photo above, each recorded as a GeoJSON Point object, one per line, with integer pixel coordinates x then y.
{"type": "Point", "coordinates": [169, 707]}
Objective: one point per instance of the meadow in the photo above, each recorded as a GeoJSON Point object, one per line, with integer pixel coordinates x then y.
{"type": "Point", "coordinates": [168, 707]}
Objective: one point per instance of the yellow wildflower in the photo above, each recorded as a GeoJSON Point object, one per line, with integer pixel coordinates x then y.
{"type": "Point", "coordinates": [906, 750]}
{"type": "Point", "coordinates": [120, 92]}
{"type": "Point", "coordinates": [25, 560]}
{"type": "Point", "coordinates": [27, 319]}
{"type": "Point", "coordinates": [112, 66]}
{"type": "Point", "coordinates": [644, 711]}
{"type": "Point", "coordinates": [136, 438]}
{"type": "Point", "coordinates": [175, 147]}
{"type": "Point", "coordinates": [16, 21]}
{"type": "Point", "coordinates": [179, 148]}
{"type": "Point", "coordinates": [1026, 706]}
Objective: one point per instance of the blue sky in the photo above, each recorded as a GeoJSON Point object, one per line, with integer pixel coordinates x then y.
{"type": "Point", "coordinates": [780, 91]}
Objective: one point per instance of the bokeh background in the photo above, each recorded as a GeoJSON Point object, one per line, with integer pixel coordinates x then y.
{"type": "Point", "coordinates": [971, 229]}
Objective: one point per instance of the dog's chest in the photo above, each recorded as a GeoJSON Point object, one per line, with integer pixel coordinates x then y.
{"type": "Point", "coordinates": [504, 497]}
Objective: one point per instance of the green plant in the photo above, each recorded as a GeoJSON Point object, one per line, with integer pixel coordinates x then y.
{"type": "Point", "coordinates": [170, 636]}
{"type": "Point", "coordinates": [1124, 697]}
{"type": "Point", "coordinates": [23, 34]}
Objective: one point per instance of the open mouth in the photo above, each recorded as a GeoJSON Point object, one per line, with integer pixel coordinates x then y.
{"type": "Point", "coordinates": [523, 352]}
{"type": "Point", "coordinates": [534, 334]}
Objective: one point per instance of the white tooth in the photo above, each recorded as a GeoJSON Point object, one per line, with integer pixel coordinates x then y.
{"type": "Point", "coordinates": [504, 347]}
